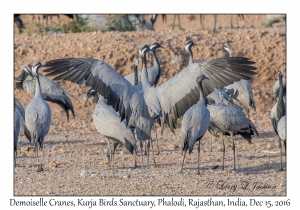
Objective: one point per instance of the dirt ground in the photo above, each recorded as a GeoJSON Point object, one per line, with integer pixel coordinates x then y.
{"type": "Point", "coordinates": [74, 152]}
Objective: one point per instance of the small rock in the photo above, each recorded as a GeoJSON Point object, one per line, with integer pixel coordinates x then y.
{"type": "Point", "coordinates": [82, 172]}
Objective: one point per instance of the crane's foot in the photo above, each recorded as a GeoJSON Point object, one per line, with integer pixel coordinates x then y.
{"type": "Point", "coordinates": [40, 168]}
{"type": "Point", "coordinates": [158, 152]}
{"type": "Point", "coordinates": [198, 173]}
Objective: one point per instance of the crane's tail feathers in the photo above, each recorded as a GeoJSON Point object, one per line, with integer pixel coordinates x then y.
{"type": "Point", "coordinates": [274, 123]}
{"type": "Point", "coordinates": [246, 136]}
{"type": "Point", "coordinates": [66, 105]}
{"type": "Point", "coordinates": [27, 133]}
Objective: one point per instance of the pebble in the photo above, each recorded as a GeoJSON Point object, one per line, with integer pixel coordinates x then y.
{"type": "Point", "coordinates": [82, 172]}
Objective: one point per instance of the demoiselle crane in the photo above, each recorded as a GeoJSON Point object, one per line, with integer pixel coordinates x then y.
{"type": "Point", "coordinates": [168, 101]}
{"type": "Point", "coordinates": [195, 123]}
{"type": "Point", "coordinates": [50, 90]}
{"type": "Point", "coordinates": [154, 72]}
{"type": "Point", "coordinates": [278, 111]}
{"type": "Point", "coordinates": [230, 121]}
{"type": "Point", "coordinates": [188, 48]}
{"type": "Point", "coordinates": [38, 115]}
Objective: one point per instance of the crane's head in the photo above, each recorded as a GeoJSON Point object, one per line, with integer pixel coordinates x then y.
{"type": "Point", "coordinates": [201, 77]}
{"type": "Point", "coordinates": [226, 48]}
{"type": "Point", "coordinates": [90, 92]}
{"type": "Point", "coordinates": [36, 65]}
{"type": "Point", "coordinates": [155, 45]}
{"type": "Point", "coordinates": [232, 92]}
{"type": "Point", "coordinates": [188, 45]}
{"type": "Point", "coordinates": [27, 69]}
{"type": "Point", "coordinates": [280, 72]}
{"type": "Point", "coordinates": [135, 62]}
{"type": "Point", "coordinates": [143, 50]}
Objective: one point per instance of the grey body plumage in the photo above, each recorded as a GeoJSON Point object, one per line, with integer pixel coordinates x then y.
{"type": "Point", "coordinates": [38, 115]}
{"type": "Point", "coordinates": [195, 123]}
{"type": "Point", "coordinates": [107, 122]}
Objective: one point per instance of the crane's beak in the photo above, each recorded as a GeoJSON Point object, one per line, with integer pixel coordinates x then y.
{"type": "Point", "coordinates": [17, 79]}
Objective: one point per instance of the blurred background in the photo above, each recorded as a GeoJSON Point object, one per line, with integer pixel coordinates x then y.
{"type": "Point", "coordinates": [74, 23]}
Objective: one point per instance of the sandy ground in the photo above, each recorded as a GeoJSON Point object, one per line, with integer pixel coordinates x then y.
{"type": "Point", "coordinates": [74, 152]}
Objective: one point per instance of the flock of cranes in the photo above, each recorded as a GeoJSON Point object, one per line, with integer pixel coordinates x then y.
{"type": "Point", "coordinates": [127, 108]}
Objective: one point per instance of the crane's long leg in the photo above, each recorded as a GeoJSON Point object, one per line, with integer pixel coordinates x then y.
{"type": "Point", "coordinates": [148, 151]}
{"type": "Point", "coordinates": [179, 22]}
{"type": "Point", "coordinates": [173, 22]}
{"type": "Point", "coordinates": [108, 152]}
{"type": "Point", "coordinates": [233, 149]}
{"type": "Point", "coordinates": [211, 137]}
{"type": "Point", "coordinates": [141, 145]}
{"type": "Point", "coordinates": [223, 149]}
{"type": "Point", "coordinates": [183, 161]}
{"type": "Point", "coordinates": [135, 164]}
{"type": "Point", "coordinates": [145, 153]}
{"type": "Point", "coordinates": [113, 153]}
{"type": "Point", "coordinates": [153, 153]}
{"type": "Point", "coordinates": [280, 147]}
{"type": "Point", "coordinates": [158, 151]}
{"type": "Point", "coordinates": [215, 23]}
{"type": "Point", "coordinates": [198, 158]}
{"type": "Point", "coordinates": [202, 21]}
{"type": "Point", "coordinates": [40, 166]}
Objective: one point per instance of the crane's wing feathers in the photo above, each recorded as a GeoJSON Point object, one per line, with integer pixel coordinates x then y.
{"type": "Point", "coordinates": [181, 91]}
{"type": "Point", "coordinates": [98, 75]}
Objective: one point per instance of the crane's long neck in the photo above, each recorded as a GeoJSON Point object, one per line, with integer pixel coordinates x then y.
{"type": "Point", "coordinates": [227, 55]}
{"type": "Point", "coordinates": [201, 95]}
{"type": "Point", "coordinates": [156, 62]}
{"type": "Point", "coordinates": [280, 104]}
{"type": "Point", "coordinates": [144, 76]}
{"type": "Point", "coordinates": [37, 87]}
{"type": "Point", "coordinates": [191, 60]}
{"type": "Point", "coordinates": [136, 76]}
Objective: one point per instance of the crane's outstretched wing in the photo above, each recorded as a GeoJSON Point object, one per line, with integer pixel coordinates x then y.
{"type": "Point", "coordinates": [181, 91]}
{"type": "Point", "coordinates": [98, 75]}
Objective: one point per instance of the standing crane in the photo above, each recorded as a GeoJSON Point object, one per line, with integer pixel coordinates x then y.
{"type": "Point", "coordinates": [38, 115]}
{"type": "Point", "coordinates": [278, 111]}
{"type": "Point", "coordinates": [50, 90]}
{"type": "Point", "coordinates": [195, 123]}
